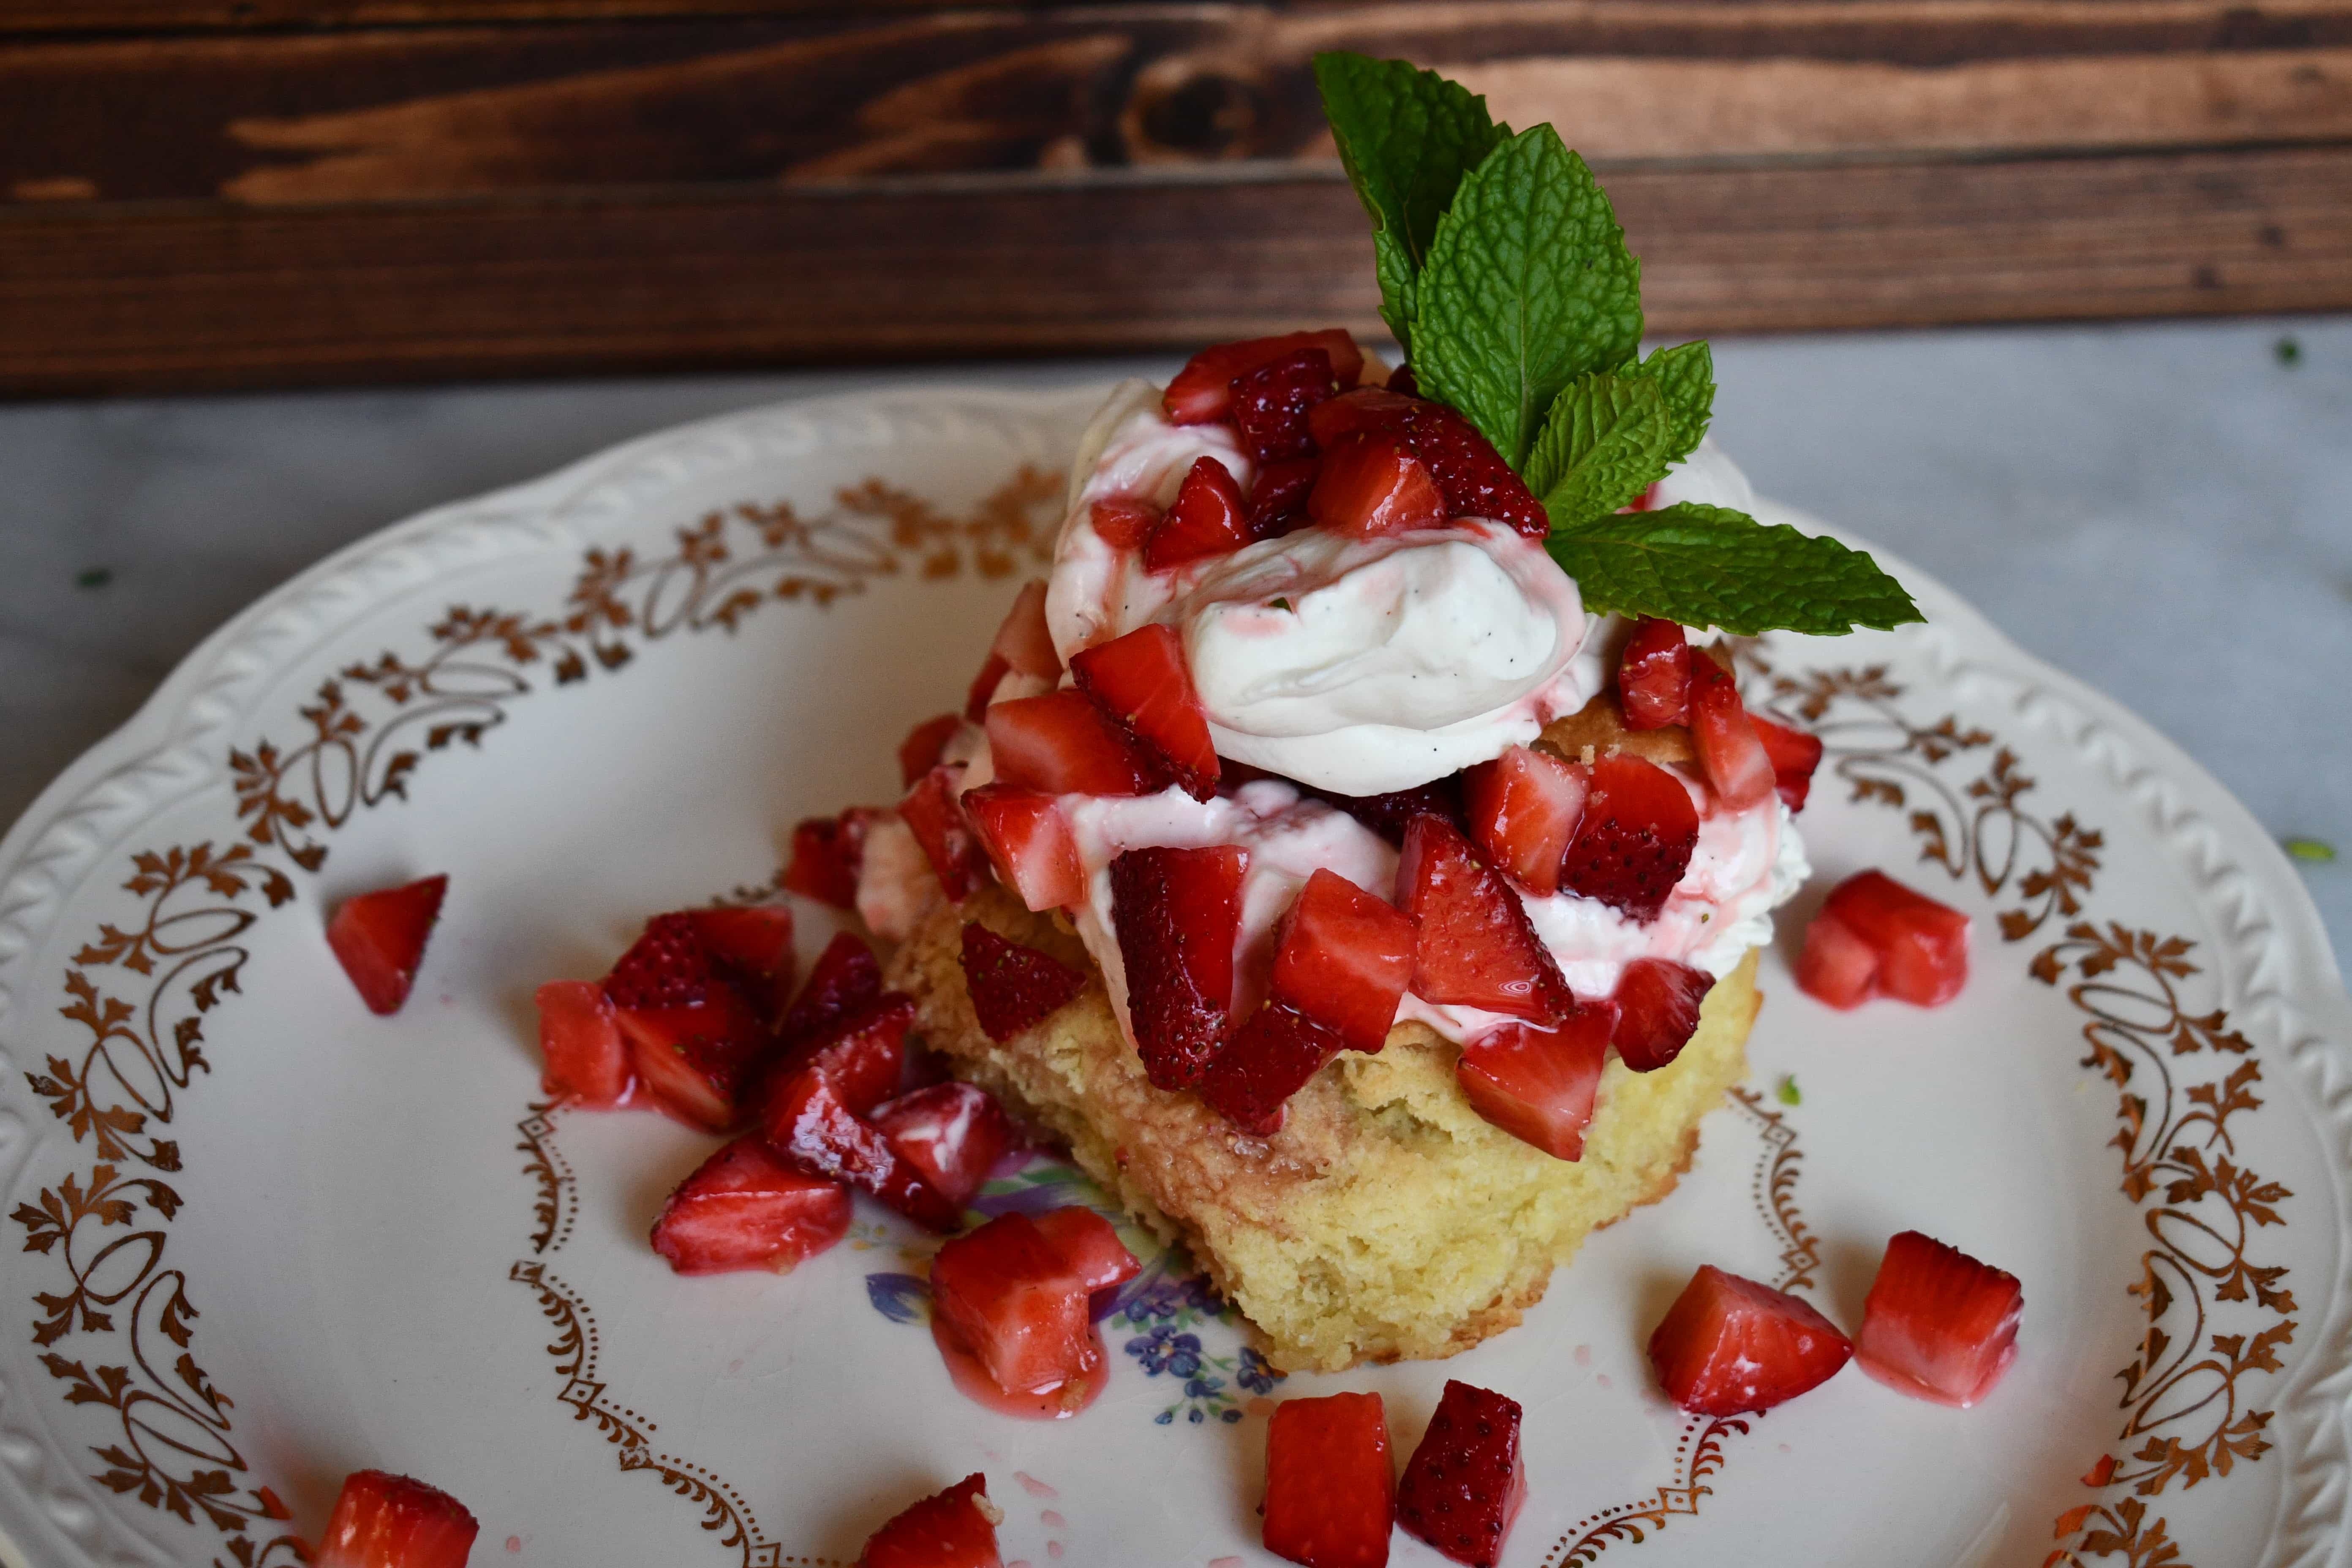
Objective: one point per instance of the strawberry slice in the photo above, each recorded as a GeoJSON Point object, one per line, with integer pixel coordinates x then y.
{"type": "Point", "coordinates": [1178, 914]}
{"type": "Point", "coordinates": [1539, 1085]}
{"type": "Point", "coordinates": [951, 1528]}
{"type": "Point", "coordinates": [1141, 680]}
{"type": "Point", "coordinates": [918, 754]}
{"type": "Point", "coordinates": [1124, 521]}
{"type": "Point", "coordinates": [1030, 843]}
{"type": "Point", "coordinates": [1013, 1297]}
{"type": "Point", "coordinates": [753, 946]}
{"type": "Point", "coordinates": [1014, 988]}
{"type": "Point", "coordinates": [1475, 947]}
{"type": "Point", "coordinates": [1654, 676]}
{"type": "Point", "coordinates": [1836, 966]}
{"type": "Point", "coordinates": [1024, 642]}
{"type": "Point", "coordinates": [1657, 1010]}
{"type": "Point", "coordinates": [1794, 755]}
{"type": "Point", "coordinates": [1269, 404]}
{"type": "Point", "coordinates": [384, 1520]}
{"type": "Point", "coordinates": [1203, 391]}
{"type": "Point", "coordinates": [1523, 808]}
{"type": "Point", "coordinates": [694, 1040]}
{"type": "Point", "coordinates": [744, 1208]}
{"type": "Point", "coordinates": [379, 939]}
{"type": "Point", "coordinates": [1063, 744]}
{"type": "Point", "coordinates": [1939, 1324]}
{"type": "Point", "coordinates": [1728, 747]}
{"type": "Point", "coordinates": [862, 1052]}
{"type": "Point", "coordinates": [1371, 484]}
{"type": "Point", "coordinates": [1278, 501]}
{"type": "Point", "coordinates": [1469, 473]}
{"type": "Point", "coordinates": [1206, 518]}
{"type": "Point", "coordinates": [1343, 958]}
{"type": "Point", "coordinates": [952, 1132]}
{"type": "Point", "coordinates": [845, 980]}
{"type": "Point", "coordinates": [810, 1124]}
{"type": "Point", "coordinates": [587, 1062]}
{"type": "Point", "coordinates": [1635, 840]}
{"type": "Point", "coordinates": [947, 840]}
{"type": "Point", "coordinates": [1922, 946]}
{"type": "Point", "coordinates": [1381, 410]}
{"type": "Point", "coordinates": [827, 852]}
{"type": "Point", "coordinates": [1731, 1344]}
{"type": "Point", "coordinates": [1465, 1484]}
{"type": "Point", "coordinates": [1252, 1078]}
{"type": "Point", "coordinates": [1330, 1490]}
{"type": "Point", "coordinates": [1090, 1244]}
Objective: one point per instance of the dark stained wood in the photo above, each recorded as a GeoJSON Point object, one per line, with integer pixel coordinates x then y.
{"type": "Point", "coordinates": [117, 302]}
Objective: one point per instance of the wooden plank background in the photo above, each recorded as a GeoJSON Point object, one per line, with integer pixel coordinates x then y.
{"type": "Point", "coordinates": [237, 193]}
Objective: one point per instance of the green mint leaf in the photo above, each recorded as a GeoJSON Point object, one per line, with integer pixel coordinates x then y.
{"type": "Point", "coordinates": [1686, 374]}
{"type": "Point", "coordinates": [1710, 566]}
{"type": "Point", "coordinates": [1406, 138]}
{"type": "Point", "coordinates": [1790, 1094]}
{"type": "Point", "coordinates": [1604, 442]}
{"type": "Point", "coordinates": [1528, 286]}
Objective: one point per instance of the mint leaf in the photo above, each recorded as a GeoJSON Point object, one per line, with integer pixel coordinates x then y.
{"type": "Point", "coordinates": [1686, 374]}
{"type": "Point", "coordinates": [1604, 442]}
{"type": "Point", "coordinates": [1406, 138]}
{"type": "Point", "coordinates": [1710, 566]}
{"type": "Point", "coordinates": [1528, 286]}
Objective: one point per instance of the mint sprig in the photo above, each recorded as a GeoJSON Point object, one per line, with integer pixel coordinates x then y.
{"type": "Point", "coordinates": [1711, 566]}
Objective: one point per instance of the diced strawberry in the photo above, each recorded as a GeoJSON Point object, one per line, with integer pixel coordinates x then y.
{"type": "Point", "coordinates": [827, 852]}
{"type": "Point", "coordinates": [1524, 807]}
{"type": "Point", "coordinates": [1635, 840]}
{"type": "Point", "coordinates": [1475, 946]}
{"type": "Point", "coordinates": [1384, 410]}
{"type": "Point", "coordinates": [809, 1125]}
{"type": "Point", "coordinates": [951, 1529]}
{"type": "Point", "coordinates": [1539, 1085]}
{"type": "Point", "coordinates": [1657, 1010]}
{"type": "Point", "coordinates": [587, 1062]}
{"type": "Point", "coordinates": [1030, 843]}
{"type": "Point", "coordinates": [1177, 914]}
{"type": "Point", "coordinates": [1014, 988]}
{"type": "Point", "coordinates": [1203, 391]}
{"type": "Point", "coordinates": [1090, 1244]}
{"type": "Point", "coordinates": [1330, 1485]}
{"type": "Point", "coordinates": [1269, 404]}
{"type": "Point", "coordinates": [1390, 814]}
{"type": "Point", "coordinates": [918, 754]}
{"type": "Point", "coordinates": [693, 1038]}
{"type": "Point", "coordinates": [753, 945]}
{"type": "Point", "coordinates": [744, 1208]}
{"type": "Point", "coordinates": [947, 840]}
{"type": "Point", "coordinates": [1141, 680]}
{"type": "Point", "coordinates": [1472, 475]}
{"type": "Point", "coordinates": [1795, 754]}
{"type": "Point", "coordinates": [1836, 966]}
{"type": "Point", "coordinates": [845, 980]}
{"type": "Point", "coordinates": [1922, 945]}
{"type": "Point", "coordinates": [1278, 501]}
{"type": "Point", "coordinates": [1939, 1324]}
{"type": "Point", "coordinates": [1018, 1302]}
{"type": "Point", "coordinates": [1731, 1344]}
{"type": "Point", "coordinates": [952, 1132]}
{"type": "Point", "coordinates": [1062, 744]}
{"type": "Point", "coordinates": [1343, 957]}
{"type": "Point", "coordinates": [1728, 747]}
{"type": "Point", "coordinates": [982, 692]}
{"type": "Point", "coordinates": [862, 1052]}
{"type": "Point", "coordinates": [379, 938]}
{"type": "Point", "coordinates": [1124, 521]}
{"type": "Point", "coordinates": [1264, 1064]}
{"type": "Point", "coordinates": [384, 1520]}
{"type": "Point", "coordinates": [1372, 484]}
{"type": "Point", "coordinates": [1023, 641]}
{"type": "Point", "coordinates": [1654, 676]}
{"type": "Point", "coordinates": [1465, 1484]}
{"type": "Point", "coordinates": [1206, 518]}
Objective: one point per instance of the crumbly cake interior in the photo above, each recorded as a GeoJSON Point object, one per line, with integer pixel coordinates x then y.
{"type": "Point", "coordinates": [1386, 1220]}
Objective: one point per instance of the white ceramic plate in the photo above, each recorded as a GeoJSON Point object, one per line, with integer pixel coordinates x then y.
{"type": "Point", "coordinates": [269, 1239]}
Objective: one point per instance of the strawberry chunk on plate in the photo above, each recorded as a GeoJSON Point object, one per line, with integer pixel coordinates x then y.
{"type": "Point", "coordinates": [587, 1062]}
{"type": "Point", "coordinates": [1657, 1010]}
{"type": "Point", "coordinates": [1371, 484]}
{"type": "Point", "coordinates": [1939, 1324]}
{"type": "Point", "coordinates": [1270, 1059]}
{"type": "Point", "coordinates": [1836, 966]}
{"type": "Point", "coordinates": [947, 840]}
{"type": "Point", "coordinates": [1178, 914]}
{"type": "Point", "coordinates": [955, 1527]}
{"type": "Point", "coordinates": [1207, 518]}
{"type": "Point", "coordinates": [1269, 404]}
{"type": "Point", "coordinates": [862, 1052]}
{"type": "Point", "coordinates": [1141, 680]}
{"type": "Point", "coordinates": [810, 1124]}
{"type": "Point", "coordinates": [1014, 988]}
{"type": "Point", "coordinates": [379, 938]}
{"type": "Point", "coordinates": [1795, 754]}
{"type": "Point", "coordinates": [1922, 946]}
{"type": "Point", "coordinates": [1017, 1302]}
{"type": "Point", "coordinates": [918, 754]}
{"type": "Point", "coordinates": [1467, 1481]}
{"type": "Point", "coordinates": [1539, 1085]}
{"type": "Point", "coordinates": [827, 854]}
{"type": "Point", "coordinates": [1477, 947]}
{"type": "Point", "coordinates": [745, 1208]}
{"type": "Point", "coordinates": [1728, 746]}
{"type": "Point", "coordinates": [843, 979]}
{"type": "Point", "coordinates": [952, 1132]}
{"type": "Point", "coordinates": [1330, 1484]}
{"type": "Point", "coordinates": [694, 1040]}
{"type": "Point", "coordinates": [1635, 838]}
{"type": "Point", "coordinates": [1343, 958]}
{"type": "Point", "coordinates": [384, 1520]}
{"type": "Point", "coordinates": [1203, 391]}
{"type": "Point", "coordinates": [1029, 842]}
{"type": "Point", "coordinates": [1090, 1245]}
{"type": "Point", "coordinates": [1063, 744]}
{"type": "Point", "coordinates": [1731, 1344]}
{"type": "Point", "coordinates": [752, 945]}
{"type": "Point", "coordinates": [1654, 676]}
{"type": "Point", "coordinates": [1523, 808]}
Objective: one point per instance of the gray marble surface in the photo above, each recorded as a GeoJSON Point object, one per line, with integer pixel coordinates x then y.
{"type": "Point", "coordinates": [2164, 511]}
